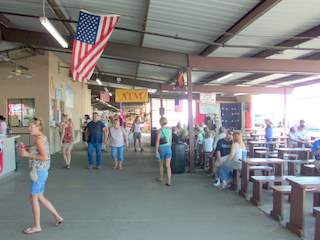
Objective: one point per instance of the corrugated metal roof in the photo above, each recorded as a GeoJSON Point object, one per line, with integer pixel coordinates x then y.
{"type": "Point", "coordinates": [131, 12]}
{"type": "Point", "coordinates": [200, 20]}
{"type": "Point", "coordinates": [30, 8]}
{"type": "Point", "coordinates": [287, 19]}
{"type": "Point", "coordinates": [197, 75]}
{"type": "Point", "coordinates": [155, 72]}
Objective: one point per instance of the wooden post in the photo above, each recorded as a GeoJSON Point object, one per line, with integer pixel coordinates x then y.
{"type": "Point", "coordinates": [285, 110]}
{"type": "Point", "coordinates": [161, 102]}
{"type": "Point", "coordinates": [190, 120]}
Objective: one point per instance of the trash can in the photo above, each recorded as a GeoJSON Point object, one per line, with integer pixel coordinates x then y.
{"type": "Point", "coordinates": [178, 162]}
{"type": "Point", "coordinates": [153, 136]}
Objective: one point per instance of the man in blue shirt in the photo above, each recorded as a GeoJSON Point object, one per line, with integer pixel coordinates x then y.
{"type": "Point", "coordinates": [316, 149]}
{"type": "Point", "coordinates": [222, 150]}
{"type": "Point", "coordinates": [94, 134]}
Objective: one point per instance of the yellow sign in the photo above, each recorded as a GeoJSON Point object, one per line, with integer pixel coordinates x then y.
{"type": "Point", "coordinates": [131, 95]}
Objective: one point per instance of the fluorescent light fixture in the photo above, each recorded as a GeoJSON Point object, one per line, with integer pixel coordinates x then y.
{"type": "Point", "coordinates": [224, 77]}
{"type": "Point", "coordinates": [152, 90]}
{"type": "Point", "coordinates": [110, 94]}
{"type": "Point", "coordinates": [97, 99]}
{"type": "Point", "coordinates": [239, 94]}
{"type": "Point", "coordinates": [306, 79]}
{"type": "Point", "coordinates": [243, 85]}
{"type": "Point", "coordinates": [53, 31]}
{"type": "Point", "coordinates": [98, 81]}
{"type": "Point", "coordinates": [273, 86]}
{"type": "Point", "coordinates": [268, 78]}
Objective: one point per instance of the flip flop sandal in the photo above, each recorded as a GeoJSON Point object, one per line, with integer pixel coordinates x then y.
{"type": "Point", "coordinates": [59, 222]}
{"type": "Point", "coordinates": [32, 230]}
{"type": "Point", "coordinates": [167, 184]}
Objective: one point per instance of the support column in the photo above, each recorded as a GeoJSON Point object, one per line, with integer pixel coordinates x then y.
{"type": "Point", "coordinates": [285, 110]}
{"type": "Point", "coordinates": [161, 103]}
{"type": "Point", "coordinates": [190, 120]}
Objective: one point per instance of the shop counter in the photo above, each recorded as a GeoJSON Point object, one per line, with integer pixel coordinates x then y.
{"type": "Point", "coordinates": [8, 162]}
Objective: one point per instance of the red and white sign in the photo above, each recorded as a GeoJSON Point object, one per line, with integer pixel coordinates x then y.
{"type": "Point", "coordinates": [1, 156]}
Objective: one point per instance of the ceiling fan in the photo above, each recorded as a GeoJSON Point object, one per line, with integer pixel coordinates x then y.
{"type": "Point", "coordinates": [18, 71]}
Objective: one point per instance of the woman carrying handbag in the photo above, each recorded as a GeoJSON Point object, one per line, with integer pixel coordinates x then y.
{"type": "Point", "coordinates": [39, 159]}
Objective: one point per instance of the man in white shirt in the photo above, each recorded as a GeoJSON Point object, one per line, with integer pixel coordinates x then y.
{"type": "Point", "coordinates": [302, 135]}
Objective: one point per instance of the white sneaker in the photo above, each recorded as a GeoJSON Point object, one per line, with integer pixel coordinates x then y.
{"type": "Point", "coordinates": [224, 184]}
{"type": "Point", "coordinates": [217, 183]}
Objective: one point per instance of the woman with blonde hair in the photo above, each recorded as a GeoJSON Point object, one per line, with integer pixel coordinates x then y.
{"type": "Point", "coordinates": [163, 149]}
{"type": "Point", "coordinates": [39, 158]}
{"type": "Point", "coordinates": [234, 161]}
{"type": "Point", "coordinates": [67, 139]}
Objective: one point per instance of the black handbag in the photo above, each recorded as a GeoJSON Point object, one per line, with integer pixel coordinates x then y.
{"type": "Point", "coordinates": [163, 140]}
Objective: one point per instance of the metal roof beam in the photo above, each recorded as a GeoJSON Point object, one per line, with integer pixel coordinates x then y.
{"type": "Point", "coordinates": [62, 14]}
{"type": "Point", "coordinates": [255, 65]}
{"type": "Point", "coordinates": [292, 42]}
{"type": "Point", "coordinates": [146, 13]}
{"type": "Point", "coordinates": [314, 56]}
{"type": "Point", "coordinates": [229, 89]}
{"type": "Point", "coordinates": [260, 9]}
{"type": "Point", "coordinates": [125, 51]}
{"type": "Point", "coordinates": [129, 82]}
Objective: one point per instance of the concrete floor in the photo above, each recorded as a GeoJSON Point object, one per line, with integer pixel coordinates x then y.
{"type": "Point", "coordinates": [130, 204]}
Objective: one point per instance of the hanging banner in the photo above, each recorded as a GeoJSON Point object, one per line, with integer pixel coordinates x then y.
{"type": "Point", "coordinates": [1, 156]}
{"type": "Point", "coordinates": [132, 95]}
{"type": "Point", "coordinates": [207, 98]}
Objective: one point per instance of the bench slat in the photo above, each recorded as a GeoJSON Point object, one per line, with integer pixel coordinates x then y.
{"type": "Point", "coordinates": [269, 178]}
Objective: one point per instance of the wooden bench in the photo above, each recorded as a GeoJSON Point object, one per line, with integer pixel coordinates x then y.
{"type": "Point", "coordinates": [261, 153]}
{"type": "Point", "coordinates": [258, 181]}
{"type": "Point", "coordinates": [316, 212]}
{"type": "Point", "coordinates": [266, 171]}
{"type": "Point", "coordinates": [308, 170]}
{"type": "Point", "coordinates": [278, 198]}
{"type": "Point", "coordinates": [260, 168]}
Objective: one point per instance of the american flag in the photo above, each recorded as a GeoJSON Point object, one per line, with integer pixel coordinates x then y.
{"type": "Point", "coordinates": [93, 33]}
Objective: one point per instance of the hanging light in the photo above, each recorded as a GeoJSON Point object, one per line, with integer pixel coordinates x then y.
{"type": "Point", "coordinates": [98, 81]}
{"type": "Point", "coordinates": [53, 31]}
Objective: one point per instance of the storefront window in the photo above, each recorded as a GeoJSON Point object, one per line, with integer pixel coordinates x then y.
{"type": "Point", "coordinates": [172, 116]}
{"type": "Point", "coordinates": [20, 111]}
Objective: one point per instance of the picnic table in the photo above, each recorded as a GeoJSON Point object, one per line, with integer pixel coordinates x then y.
{"type": "Point", "coordinates": [292, 165]}
{"type": "Point", "coordinates": [303, 153]}
{"type": "Point", "coordinates": [252, 144]}
{"type": "Point", "coordinates": [278, 165]}
{"type": "Point", "coordinates": [299, 186]}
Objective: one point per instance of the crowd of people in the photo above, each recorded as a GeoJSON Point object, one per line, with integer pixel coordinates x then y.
{"type": "Point", "coordinates": [96, 133]}
{"type": "Point", "coordinates": [218, 151]}
{"type": "Point", "coordinates": [297, 136]}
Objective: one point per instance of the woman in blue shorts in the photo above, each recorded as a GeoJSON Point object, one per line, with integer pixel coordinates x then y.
{"type": "Point", "coordinates": [163, 149]}
{"type": "Point", "coordinates": [39, 158]}
{"type": "Point", "coordinates": [118, 140]}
